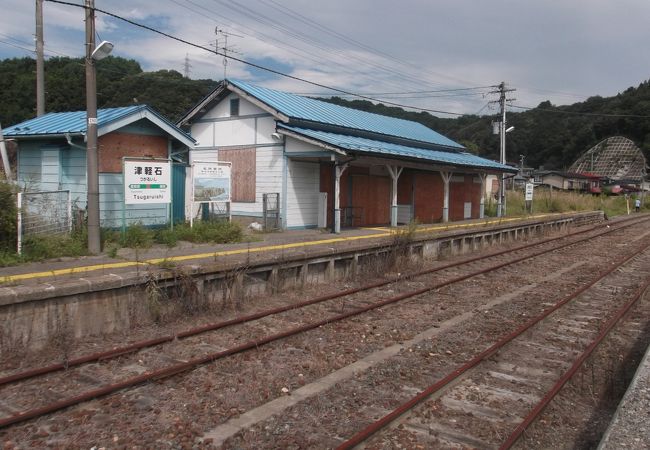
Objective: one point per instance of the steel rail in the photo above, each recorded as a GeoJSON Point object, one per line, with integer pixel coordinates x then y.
{"type": "Point", "coordinates": [195, 362]}
{"type": "Point", "coordinates": [550, 395]}
{"type": "Point", "coordinates": [376, 426]}
{"type": "Point", "coordinates": [136, 346]}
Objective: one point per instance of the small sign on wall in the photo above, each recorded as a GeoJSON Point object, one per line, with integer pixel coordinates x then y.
{"type": "Point", "coordinates": [147, 181]}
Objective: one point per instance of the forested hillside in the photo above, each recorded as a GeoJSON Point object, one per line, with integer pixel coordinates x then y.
{"type": "Point", "coordinates": [547, 136]}
{"type": "Point", "coordinates": [120, 82]}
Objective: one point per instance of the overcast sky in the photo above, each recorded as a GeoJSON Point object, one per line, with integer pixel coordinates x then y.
{"type": "Point", "coordinates": [558, 50]}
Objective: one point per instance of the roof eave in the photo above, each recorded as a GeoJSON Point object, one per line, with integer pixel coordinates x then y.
{"type": "Point", "coordinates": [312, 141]}
{"type": "Point", "coordinates": [42, 136]}
{"type": "Point", "coordinates": [149, 114]}
{"type": "Point", "coordinates": [432, 162]}
{"type": "Point", "coordinates": [257, 102]}
{"type": "Point", "coordinates": [196, 110]}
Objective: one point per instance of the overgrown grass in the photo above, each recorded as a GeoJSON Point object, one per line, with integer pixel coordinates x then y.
{"type": "Point", "coordinates": [546, 201]}
{"type": "Point", "coordinates": [38, 248]}
{"type": "Point", "coordinates": [137, 236]}
{"type": "Point", "coordinates": [140, 237]}
{"type": "Point", "coordinates": [220, 232]}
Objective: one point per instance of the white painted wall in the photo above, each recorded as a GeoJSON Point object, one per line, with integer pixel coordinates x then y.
{"type": "Point", "coordinates": [296, 146]}
{"type": "Point", "coordinates": [303, 183]}
{"type": "Point", "coordinates": [303, 186]}
{"type": "Point", "coordinates": [244, 131]}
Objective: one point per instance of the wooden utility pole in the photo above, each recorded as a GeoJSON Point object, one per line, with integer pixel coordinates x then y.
{"type": "Point", "coordinates": [40, 70]}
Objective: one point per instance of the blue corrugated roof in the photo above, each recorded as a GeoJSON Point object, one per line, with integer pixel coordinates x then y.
{"type": "Point", "coordinates": [74, 122]}
{"type": "Point", "coordinates": [303, 108]}
{"type": "Point", "coordinates": [353, 143]}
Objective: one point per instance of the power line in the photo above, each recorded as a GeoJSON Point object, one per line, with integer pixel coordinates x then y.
{"type": "Point", "coordinates": [270, 40]}
{"type": "Point", "coordinates": [311, 23]}
{"type": "Point", "coordinates": [411, 92]}
{"type": "Point", "coordinates": [17, 46]}
{"type": "Point", "coordinates": [251, 64]}
{"type": "Point", "coordinates": [577, 113]}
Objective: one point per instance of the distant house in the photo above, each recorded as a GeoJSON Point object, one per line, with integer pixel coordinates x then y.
{"type": "Point", "coordinates": [51, 156]}
{"type": "Point", "coordinates": [334, 165]}
{"type": "Point", "coordinates": [568, 181]}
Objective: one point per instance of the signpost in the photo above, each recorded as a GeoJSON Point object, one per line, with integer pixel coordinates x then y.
{"type": "Point", "coordinates": [529, 196]}
{"type": "Point", "coordinates": [211, 184]}
{"type": "Point", "coordinates": [146, 181]}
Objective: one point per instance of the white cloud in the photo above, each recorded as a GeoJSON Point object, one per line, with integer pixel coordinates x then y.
{"type": "Point", "coordinates": [557, 50]}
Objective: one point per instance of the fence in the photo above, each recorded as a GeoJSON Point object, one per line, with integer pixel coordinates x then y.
{"type": "Point", "coordinates": [271, 211]}
{"type": "Point", "coordinates": [47, 212]}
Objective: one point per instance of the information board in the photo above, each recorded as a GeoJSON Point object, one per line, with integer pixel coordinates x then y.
{"type": "Point", "coordinates": [147, 181]}
{"type": "Point", "coordinates": [211, 181]}
{"type": "Point", "coordinates": [529, 191]}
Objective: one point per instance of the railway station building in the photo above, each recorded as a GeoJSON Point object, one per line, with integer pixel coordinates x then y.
{"type": "Point", "coordinates": [334, 166]}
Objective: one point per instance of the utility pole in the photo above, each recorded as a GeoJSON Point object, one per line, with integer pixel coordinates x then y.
{"type": "Point", "coordinates": [92, 170]}
{"type": "Point", "coordinates": [502, 90]}
{"type": "Point", "coordinates": [40, 70]}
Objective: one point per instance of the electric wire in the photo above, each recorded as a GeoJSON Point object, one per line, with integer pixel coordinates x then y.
{"type": "Point", "coordinates": [268, 39]}
{"type": "Point", "coordinates": [310, 38]}
{"type": "Point", "coordinates": [310, 22]}
{"type": "Point", "coordinates": [578, 113]}
{"type": "Point", "coordinates": [249, 63]}
{"type": "Point", "coordinates": [370, 74]}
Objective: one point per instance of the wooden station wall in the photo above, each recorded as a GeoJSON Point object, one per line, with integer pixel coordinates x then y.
{"type": "Point", "coordinates": [424, 190]}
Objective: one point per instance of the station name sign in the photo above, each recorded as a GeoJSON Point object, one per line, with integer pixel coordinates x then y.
{"type": "Point", "coordinates": [147, 181]}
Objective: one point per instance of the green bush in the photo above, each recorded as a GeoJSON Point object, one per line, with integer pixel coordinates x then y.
{"type": "Point", "coordinates": [8, 213]}
{"type": "Point", "coordinates": [36, 248]}
{"type": "Point", "coordinates": [137, 236]}
{"type": "Point", "coordinates": [217, 232]}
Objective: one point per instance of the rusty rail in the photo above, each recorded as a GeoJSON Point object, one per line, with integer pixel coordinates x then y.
{"type": "Point", "coordinates": [376, 426]}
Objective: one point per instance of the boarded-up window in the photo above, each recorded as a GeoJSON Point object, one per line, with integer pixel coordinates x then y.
{"type": "Point", "coordinates": [243, 173]}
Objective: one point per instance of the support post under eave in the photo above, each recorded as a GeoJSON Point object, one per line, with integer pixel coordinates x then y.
{"type": "Point", "coordinates": [338, 171]}
{"type": "Point", "coordinates": [395, 172]}
{"type": "Point", "coordinates": [446, 177]}
{"type": "Point", "coordinates": [481, 213]}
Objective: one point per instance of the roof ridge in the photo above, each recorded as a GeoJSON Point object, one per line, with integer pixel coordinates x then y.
{"type": "Point", "coordinates": [298, 107]}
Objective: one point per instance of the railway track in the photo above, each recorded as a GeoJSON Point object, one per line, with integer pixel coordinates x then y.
{"type": "Point", "coordinates": [496, 393]}
{"type": "Point", "coordinates": [122, 368]}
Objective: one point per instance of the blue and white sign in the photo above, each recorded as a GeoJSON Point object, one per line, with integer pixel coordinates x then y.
{"type": "Point", "coordinates": [211, 181]}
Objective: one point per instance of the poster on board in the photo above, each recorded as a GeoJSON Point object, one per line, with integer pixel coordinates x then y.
{"type": "Point", "coordinates": [147, 181]}
{"type": "Point", "coordinates": [211, 181]}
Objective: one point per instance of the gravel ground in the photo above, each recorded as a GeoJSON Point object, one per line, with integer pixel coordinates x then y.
{"type": "Point", "coordinates": [178, 412]}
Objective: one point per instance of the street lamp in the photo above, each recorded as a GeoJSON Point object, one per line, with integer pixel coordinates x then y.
{"type": "Point", "coordinates": [92, 171]}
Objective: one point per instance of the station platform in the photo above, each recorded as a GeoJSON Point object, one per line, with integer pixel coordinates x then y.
{"type": "Point", "coordinates": [276, 245]}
